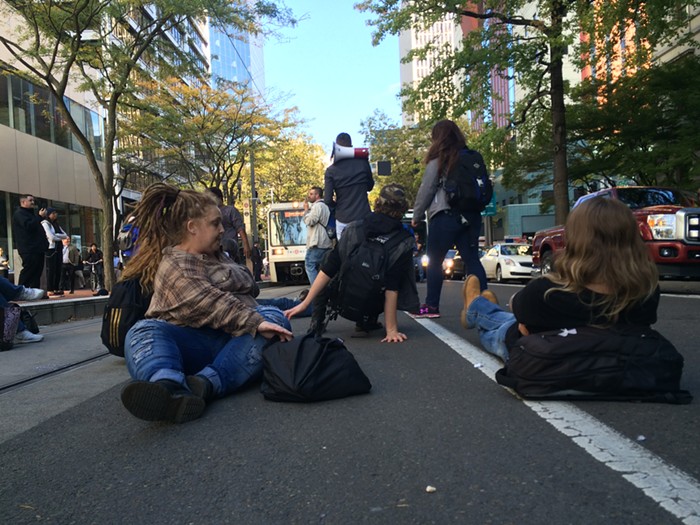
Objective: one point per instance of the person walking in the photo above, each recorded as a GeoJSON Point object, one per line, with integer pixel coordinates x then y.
{"type": "Point", "coordinates": [31, 242]}
{"type": "Point", "coordinates": [204, 331]}
{"type": "Point", "coordinates": [54, 253]}
{"type": "Point", "coordinates": [447, 227]}
{"type": "Point", "coordinates": [256, 258]}
{"type": "Point", "coordinates": [318, 243]}
{"type": "Point", "coordinates": [348, 181]}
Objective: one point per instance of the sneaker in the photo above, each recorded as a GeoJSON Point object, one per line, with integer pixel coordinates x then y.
{"type": "Point", "coordinates": [31, 294]}
{"type": "Point", "coordinates": [25, 336]}
{"type": "Point", "coordinates": [302, 295]}
{"type": "Point", "coordinates": [163, 400]}
{"type": "Point", "coordinates": [430, 312]}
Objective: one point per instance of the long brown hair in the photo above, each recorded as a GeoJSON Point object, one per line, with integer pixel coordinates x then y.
{"type": "Point", "coordinates": [161, 217]}
{"type": "Point", "coordinates": [604, 247]}
{"type": "Point", "coordinates": [447, 141]}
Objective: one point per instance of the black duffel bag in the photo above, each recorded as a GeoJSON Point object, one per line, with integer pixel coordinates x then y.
{"type": "Point", "coordinates": [634, 363]}
{"type": "Point", "coordinates": [308, 369]}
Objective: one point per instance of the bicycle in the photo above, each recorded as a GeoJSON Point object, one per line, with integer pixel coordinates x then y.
{"type": "Point", "coordinates": [94, 278]}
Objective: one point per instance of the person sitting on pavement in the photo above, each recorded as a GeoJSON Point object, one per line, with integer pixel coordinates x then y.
{"type": "Point", "coordinates": [604, 277]}
{"type": "Point", "coordinates": [204, 331]}
{"type": "Point", "coordinates": [12, 292]}
{"type": "Point", "coordinates": [389, 208]}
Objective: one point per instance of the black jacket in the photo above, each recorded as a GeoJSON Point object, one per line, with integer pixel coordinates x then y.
{"type": "Point", "coordinates": [350, 180]}
{"type": "Point", "coordinates": [29, 234]}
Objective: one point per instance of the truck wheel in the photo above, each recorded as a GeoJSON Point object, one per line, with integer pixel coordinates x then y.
{"type": "Point", "coordinates": [547, 263]}
{"type": "Point", "coordinates": [499, 274]}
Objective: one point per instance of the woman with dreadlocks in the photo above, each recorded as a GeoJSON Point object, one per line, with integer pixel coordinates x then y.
{"type": "Point", "coordinates": [204, 331]}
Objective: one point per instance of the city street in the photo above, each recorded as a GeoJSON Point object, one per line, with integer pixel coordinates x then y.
{"type": "Point", "coordinates": [436, 441]}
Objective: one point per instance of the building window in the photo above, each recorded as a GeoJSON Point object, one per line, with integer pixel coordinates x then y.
{"type": "Point", "coordinates": [4, 100]}
{"type": "Point", "coordinates": [21, 105]}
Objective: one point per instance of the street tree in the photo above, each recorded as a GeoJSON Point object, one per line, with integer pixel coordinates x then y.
{"type": "Point", "coordinates": [528, 42]}
{"type": "Point", "coordinates": [641, 128]}
{"type": "Point", "coordinates": [200, 135]}
{"type": "Point", "coordinates": [104, 47]}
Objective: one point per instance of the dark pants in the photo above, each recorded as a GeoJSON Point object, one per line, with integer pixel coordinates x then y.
{"type": "Point", "coordinates": [447, 230]}
{"type": "Point", "coordinates": [68, 277]}
{"type": "Point", "coordinates": [53, 269]}
{"type": "Point", "coordinates": [32, 268]}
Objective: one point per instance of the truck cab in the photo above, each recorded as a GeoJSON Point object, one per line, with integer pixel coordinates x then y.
{"type": "Point", "coordinates": [668, 220]}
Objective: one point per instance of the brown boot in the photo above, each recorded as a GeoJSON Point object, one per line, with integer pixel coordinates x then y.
{"type": "Point", "coordinates": [470, 291]}
{"type": "Point", "coordinates": [489, 295]}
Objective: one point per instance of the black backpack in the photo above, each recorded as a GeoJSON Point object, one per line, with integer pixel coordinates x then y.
{"type": "Point", "coordinates": [309, 369]}
{"type": "Point", "coordinates": [622, 363]}
{"type": "Point", "coordinates": [357, 291]}
{"type": "Point", "coordinates": [468, 185]}
{"type": "Point", "coordinates": [126, 305]}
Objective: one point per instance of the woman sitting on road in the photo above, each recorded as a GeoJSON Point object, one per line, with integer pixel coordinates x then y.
{"type": "Point", "coordinates": [204, 331]}
{"type": "Point", "coordinates": [590, 319]}
{"type": "Point", "coordinates": [603, 278]}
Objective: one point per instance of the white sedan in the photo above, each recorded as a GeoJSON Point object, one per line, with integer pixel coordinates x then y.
{"type": "Point", "coordinates": [508, 261]}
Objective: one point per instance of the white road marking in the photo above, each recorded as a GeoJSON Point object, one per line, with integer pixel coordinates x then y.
{"type": "Point", "coordinates": [671, 488]}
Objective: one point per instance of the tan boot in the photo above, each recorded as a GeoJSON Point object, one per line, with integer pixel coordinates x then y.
{"type": "Point", "coordinates": [470, 291]}
{"type": "Point", "coordinates": [489, 295]}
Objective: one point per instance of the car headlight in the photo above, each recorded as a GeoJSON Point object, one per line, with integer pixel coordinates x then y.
{"type": "Point", "coordinates": [449, 263]}
{"type": "Point", "coordinates": [424, 261]}
{"type": "Point", "coordinates": [508, 262]}
{"type": "Point", "coordinates": [662, 226]}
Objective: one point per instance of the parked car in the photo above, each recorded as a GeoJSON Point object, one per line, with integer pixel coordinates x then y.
{"type": "Point", "coordinates": [508, 261]}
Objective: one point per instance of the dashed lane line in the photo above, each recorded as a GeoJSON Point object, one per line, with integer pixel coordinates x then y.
{"type": "Point", "coordinates": [673, 489]}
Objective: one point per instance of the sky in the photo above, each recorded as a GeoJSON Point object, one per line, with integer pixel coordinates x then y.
{"type": "Point", "coordinates": [330, 70]}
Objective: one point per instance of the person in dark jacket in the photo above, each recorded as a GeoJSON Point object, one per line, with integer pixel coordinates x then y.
{"type": "Point", "coordinates": [349, 180]}
{"type": "Point", "coordinates": [30, 240]}
{"type": "Point", "coordinates": [400, 286]}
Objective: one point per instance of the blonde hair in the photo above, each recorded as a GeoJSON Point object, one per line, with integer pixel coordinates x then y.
{"type": "Point", "coordinates": [604, 247]}
{"type": "Point", "coordinates": [161, 217]}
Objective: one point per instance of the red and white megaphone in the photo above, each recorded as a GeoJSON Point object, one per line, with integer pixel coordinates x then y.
{"type": "Point", "coordinates": [345, 152]}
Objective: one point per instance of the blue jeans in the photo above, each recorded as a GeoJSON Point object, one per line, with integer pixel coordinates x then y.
{"type": "Point", "coordinates": [447, 230]}
{"type": "Point", "coordinates": [156, 349]}
{"type": "Point", "coordinates": [285, 303]}
{"type": "Point", "coordinates": [8, 292]}
{"type": "Point", "coordinates": [314, 259]}
{"type": "Point", "coordinates": [493, 323]}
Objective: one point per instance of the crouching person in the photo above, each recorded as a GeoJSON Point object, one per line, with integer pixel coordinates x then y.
{"type": "Point", "coordinates": [204, 331]}
{"type": "Point", "coordinates": [371, 270]}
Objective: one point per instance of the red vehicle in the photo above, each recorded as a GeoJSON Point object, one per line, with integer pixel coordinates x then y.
{"type": "Point", "coordinates": [669, 223]}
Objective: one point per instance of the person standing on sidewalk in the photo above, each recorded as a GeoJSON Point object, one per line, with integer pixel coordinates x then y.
{"type": "Point", "coordinates": [318, 243]}
{"type": "Point", "coordinates": [350, 180]}
{"type": "Point", "coordinates": [54, 257]}
{"type": "Point", "coordinates": [70, 261]}
{"type": "Point", "coordinates": [30, 240]}
{"type": "Point", "coordinates": [11, 292]}
{"type": "Point", "coordinates": [448, 227]}
{"type": "Point", "coordinates": [233, 227]}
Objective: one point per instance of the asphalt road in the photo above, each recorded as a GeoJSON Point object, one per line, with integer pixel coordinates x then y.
{"type": "Point", "coordinates": [70, 453]}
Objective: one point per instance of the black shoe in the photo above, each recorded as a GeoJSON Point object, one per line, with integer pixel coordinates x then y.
{"type": "Point", "coordinates": [163, 400]}
{"type": "Point", "coordinates": [200, 386]}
